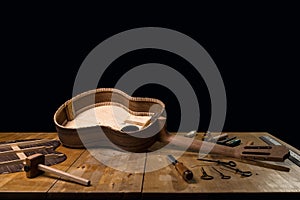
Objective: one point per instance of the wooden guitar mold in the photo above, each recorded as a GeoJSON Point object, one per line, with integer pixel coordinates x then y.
{"type": "Point", "coordinates": [112, 110]}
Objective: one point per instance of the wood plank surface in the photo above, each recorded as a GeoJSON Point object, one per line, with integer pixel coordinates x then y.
{"type": "Point", "coordinates": [16, 185]}
{"type": "Point", "coordinates": [167, 181]}
{"type": "Point", "coordinates": [120, 183]}
{"type": "Point", "coordinates": [149, 175]}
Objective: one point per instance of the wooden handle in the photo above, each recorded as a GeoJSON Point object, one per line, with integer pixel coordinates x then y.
{"type": "Point", "coordinates": [249, 143]}
{"type": "Point", "coordinates": [197, 145]}
{"type": "Point", "coordinates": [272, 152]}
{"type": "Point", "coordinates": [184, 171]}
{"type": "Point", "coordinates": [64, 175]}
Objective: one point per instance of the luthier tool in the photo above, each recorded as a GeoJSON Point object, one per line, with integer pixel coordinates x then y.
{"type": "Point", "coordinates": [102, 101]}
{"type": "Point", "coordinates": [238, 171]}
{"type": "Point", "coordinates": [209, 137]}
{"type": "Point", "coordinates": [35, 166]}
{"type": "Point", "coordinates": [206, 135]}
{"type": "Point", "coordinates": [181, 168]}
{"type": "Point", "coordinates": [29, 149]}
{"type": "Point", "coordinates": [221, 174]}
{"type": "Point", "coordinates": [14, 152]}
{"type": "Point", "coordinates": [263, 164]}
{"type": "Point", "coordinates": [21, 161]}
{"type": "Point", "coordinates": [219, 137]}
{"type": "Point", "coordinates": [205, 176]}
{"type": "Point", "coordinates": [232, 141]}
{"type": "Point", "coordinates": [191, 134]}
{"type": "Point", "coordinates": [226, 140]}
{"type": "Point", "coordinates": [229, 163]}
{"type": "Point", "coordinates": [266, 165]}
{"type": "Point", "coordinates": [294, 157]}
{"type": "Point", "coordinates": [27, 142]}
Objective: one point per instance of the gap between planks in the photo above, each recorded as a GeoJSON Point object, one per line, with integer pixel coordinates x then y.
{"type": "Point", "coordinates": [75, 160]}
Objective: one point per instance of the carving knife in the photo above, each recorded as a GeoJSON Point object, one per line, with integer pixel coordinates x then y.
{"type": "Point", "coordinates": [181, 169]}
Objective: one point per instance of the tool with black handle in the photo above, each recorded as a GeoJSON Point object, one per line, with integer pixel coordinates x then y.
{"type": "Point", "coordinates": [182, 170]}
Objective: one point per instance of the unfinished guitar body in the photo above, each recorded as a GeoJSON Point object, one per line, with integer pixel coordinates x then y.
{"type": "Point", "coordinates": [104, 113]}
{"type": "Point", "coordinates": [111, 110]}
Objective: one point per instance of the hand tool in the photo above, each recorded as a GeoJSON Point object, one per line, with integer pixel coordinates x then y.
{"type": "Point", "coordinates": [14, 152]}
{"type": "Point", "coordinates": [205, 176]}
{"type": "Point", "coordinates": [35, 166]}
{"type": "Point", "coordinates": [191, 134]}
{"type": "Point", "coordinates": [29, 142]}
{"type": "Point", "coordinates": [233, 143]}
{"type": "Point", "coordinates": [21, 161]}
{"type": "Point", "coordinates": [226, 140]}
{"type": "Point", "coordinates": [142, 139]}
{"type": "Point", "coordinates": [236, 170]}
{"type": "Point", "coordinates": [294, 157]}
{"type": "Point", "coordinates": [230, 163]}
{"type": "Point", "coordinates": [222, 175]}
{"type": "Point", "coordinates": [219, 137]}
{"type": "Point", "coordinates": [4, 153]}
{"type": "Point", "coordinates": [264, 164]}
{"type": "Point", "coordinates": [183, 170]}
{"type": "Point", "coordinates": [209, 137]}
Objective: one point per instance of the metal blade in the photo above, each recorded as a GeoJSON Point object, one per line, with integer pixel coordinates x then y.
{"type": "Point", "coordinates": [172, 159]}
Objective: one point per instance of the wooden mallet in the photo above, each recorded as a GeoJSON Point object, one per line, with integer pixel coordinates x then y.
{"type": "Point", "coordinates": [35, 166]}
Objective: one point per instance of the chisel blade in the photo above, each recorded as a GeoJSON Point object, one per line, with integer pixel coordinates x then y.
{"type": "Point", "coordinates": [172, 159]}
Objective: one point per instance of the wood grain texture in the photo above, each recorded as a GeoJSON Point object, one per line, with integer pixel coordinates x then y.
{"type": "Point", "coordinates": [78, 121]}
{"type": "Point", "coordinates": [169, 183]}
{"type": "Point", "coordinates": [102, 113]}
{"type": "Point", "coordinates": [105, 181]}
{"type": "Point", "coordinates": [16, 184]}
{"type": "Point", "coordinates": [153, 182]}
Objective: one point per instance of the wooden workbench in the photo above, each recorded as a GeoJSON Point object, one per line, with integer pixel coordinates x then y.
{"type": "Point", "coordinates": [138, 178]}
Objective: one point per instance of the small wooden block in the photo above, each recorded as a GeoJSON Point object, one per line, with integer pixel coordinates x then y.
{"type": "Point", "coordinates": [31, 166]}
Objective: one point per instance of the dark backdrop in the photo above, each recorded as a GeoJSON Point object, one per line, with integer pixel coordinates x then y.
{"type": "Point", "coordinates": [255, 47]}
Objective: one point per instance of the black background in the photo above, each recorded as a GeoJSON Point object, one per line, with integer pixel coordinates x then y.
{"type": "Point", "coordinates": [255, 47]}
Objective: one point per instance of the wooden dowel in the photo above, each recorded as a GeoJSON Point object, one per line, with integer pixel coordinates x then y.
{"type": "Point", "coordinates": [266, 165]}
{"type": "Point", "coordinates": [63, 174]}
{"type": "Point", "coordinates": [3, 153]}
{"type": "Point", "coordinates": [274, 153]}
{"type": "Point", "coordinates": [27, 142]}
{"type": "Point", "coordinates": [196, 145]}
{"type": "Point", "coordinates": [12, 162]}
{"type": "Point", "coordinates": [21, 161]}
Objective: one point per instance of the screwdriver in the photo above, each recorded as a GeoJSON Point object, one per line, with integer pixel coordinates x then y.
{"type": "Point", "coordinates": [182, 170]}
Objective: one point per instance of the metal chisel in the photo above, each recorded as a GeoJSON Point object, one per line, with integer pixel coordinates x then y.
{"type": "Point", "coordinates": [182, 170]}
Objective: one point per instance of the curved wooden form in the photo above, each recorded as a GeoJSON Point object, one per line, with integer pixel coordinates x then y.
{"type": "Point", "coordinates": [147, 114]}
{"type": "Point", "coordinates": [136, 141]}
